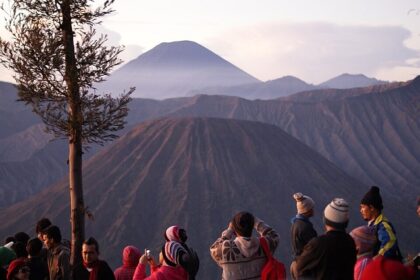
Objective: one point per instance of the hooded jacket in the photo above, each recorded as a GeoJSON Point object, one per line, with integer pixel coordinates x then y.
{"type": "Point", "coordinates": [131, 256]}
{"type": "Point", "coordinates": [242, 257]}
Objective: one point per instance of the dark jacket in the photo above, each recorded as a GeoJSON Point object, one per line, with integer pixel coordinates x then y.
{"type": "Point", "coordinates": [388, 244]}
{"type": "Point", "coordinates": [38, 268]}
{"type": "Point", "coordinates": [58, 261]}
{"type": "Point", "coordinates": [302, 232]}
{"type": "Point", "coordinates": [329, 256]}
{"type": "Point", "coordinates": [104, 272]}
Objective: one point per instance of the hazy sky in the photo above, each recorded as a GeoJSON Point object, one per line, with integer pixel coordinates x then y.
{"type": "Point", "coordinates": [312, 39]}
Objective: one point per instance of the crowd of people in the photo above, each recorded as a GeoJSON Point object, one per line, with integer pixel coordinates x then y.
{"type": "Point", "coordinates": [369, 251]}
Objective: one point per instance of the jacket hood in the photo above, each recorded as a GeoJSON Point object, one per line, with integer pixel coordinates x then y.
{"type": "Point", "coordinates": [248, 246]}
{"type": "Point", "coordinates": [131, 256]}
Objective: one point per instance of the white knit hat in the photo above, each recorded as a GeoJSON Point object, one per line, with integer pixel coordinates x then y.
{"type": "Point", "coordinates": [336, 214]}
{"type": "Point", "coordinates": [303, 203]}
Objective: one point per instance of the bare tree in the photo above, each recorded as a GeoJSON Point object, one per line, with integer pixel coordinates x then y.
{"type": "Point", "coordinates": [57, 58]}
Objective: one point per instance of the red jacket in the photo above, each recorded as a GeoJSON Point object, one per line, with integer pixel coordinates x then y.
{"type": "Point", "coordinates": [164, 272]}
{"type": "Point", "coordinates": [131, 256]}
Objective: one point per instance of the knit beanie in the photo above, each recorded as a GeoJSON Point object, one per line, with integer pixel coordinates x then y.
{"type": "Point", "coordinates": [243, 223]}
{"type": "Point", "coordinates": [336, 214]}
{"type": "Point", "coordinates": [171, 252]}
{"type": "Point", "coordinates": [365, 238]}
{"type": "Point", "coordinates": [14, 267]}
{"type": "Point", "coordinates": [304, 203]}
{"type": "Point", "coordinates": [175, 233]}
{"type": "Point", "coordinates": [6, 256]}
{"type": "Point", "coordinates": [373, 197]}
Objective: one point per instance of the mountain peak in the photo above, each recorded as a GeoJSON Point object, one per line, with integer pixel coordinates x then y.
{"type": "Point", "coordinates": [172, 69]}
{"type": "Point", "coordinates": [347, 80]}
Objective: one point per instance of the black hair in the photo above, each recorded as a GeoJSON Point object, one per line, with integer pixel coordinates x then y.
{"type": "Point", "coordinates": [22, 237]}
{"type": "Point", "coordinates": [53, 232]}
{"type": "Point", "coordinates": [92, 241]}
{"type": "Point", "coordinates": [34, 247]}
{"type": "Point", "coordinates": [9, 239]}
{"type": "Point", "coordinates": [20, 249]}
{"type": "Point", "coordinates": [42, 224]}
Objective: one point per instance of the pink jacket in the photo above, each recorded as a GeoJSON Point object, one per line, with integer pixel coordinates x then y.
{"type": "Point", "coordinates": [131, 256]}
{"type": "Point", "coordinates": [162, 273]}
{"type": "Point", "coordinates": [360, 265]}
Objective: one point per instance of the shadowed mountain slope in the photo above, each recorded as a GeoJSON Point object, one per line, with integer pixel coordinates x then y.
{"type": "Point", "coordinates": [373, 134]}
{"type": "Point", "coordinates": [173, 69]}
{"type": "Point", "coordinates": [196, 173]}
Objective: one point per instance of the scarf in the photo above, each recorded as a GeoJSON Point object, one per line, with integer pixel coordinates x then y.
{"type": "Point", "coordinates": [93, 269]}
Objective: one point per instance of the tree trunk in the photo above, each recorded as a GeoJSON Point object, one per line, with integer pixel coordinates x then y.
{"type": "Point", "coordinates": [75, 119]}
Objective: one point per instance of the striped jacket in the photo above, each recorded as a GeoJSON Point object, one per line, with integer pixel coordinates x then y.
{"type": "Point", "coordinates": [388, 244]}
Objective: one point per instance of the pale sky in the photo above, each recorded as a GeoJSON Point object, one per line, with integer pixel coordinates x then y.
{"type": "Point", "coordinates": [311, 39]}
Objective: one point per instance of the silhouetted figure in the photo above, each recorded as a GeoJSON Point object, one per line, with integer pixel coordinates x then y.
{"type": "Point", "coordinates": [333, 254]}
{"type": "Point", "coordinates": [38, 267]}
{"type": "Point", "coordinates": [238, 252]}
{"type": "Point", "coordinates": [92, 268]}
{"type": "Point", "coordinates": [18, 270]}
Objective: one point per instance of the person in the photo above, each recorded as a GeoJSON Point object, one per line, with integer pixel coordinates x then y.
{"type": "Point", "coordinates": [38, 267]}
{"type": "Point", "coordinates": [382, 268]}
{"type": "Point", "coordinates": [92, 268]}
{"type": "Point", "coordinates": [177, 261]}
{"type": "Point", "coordinates": [58, 258]}
{"type": "Point", "coordinates": [333, 254]}
{"type": "Point", "coordinates": [238, 252]}
{"type": "Point", "coordinates": [371, 210]}
{"type": "Point", "coordinates": [365, 239]}
{"type": "Point", "coordinates": [41, 225]}
{"type": "Point", "coordinates": [7, 255]}
{"type": "Point", "coordinates": [20, 250]}
{"type": "Point", "coordinates": [130, 259]}
{"type": "Point", "coordinates": [302, 230]}
{"type": "Point", "coordinates": [18, 270]}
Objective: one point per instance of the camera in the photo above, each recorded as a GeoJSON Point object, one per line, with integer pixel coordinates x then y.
{"type": "Point", "coordinates": [147, 253]}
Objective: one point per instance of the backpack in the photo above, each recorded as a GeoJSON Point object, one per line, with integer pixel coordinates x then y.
{"type": "Point", "coordinates": [272, 269]}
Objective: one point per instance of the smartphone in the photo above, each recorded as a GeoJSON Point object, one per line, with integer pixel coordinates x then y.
{"type": "Point", "coordinates": [147, 253]}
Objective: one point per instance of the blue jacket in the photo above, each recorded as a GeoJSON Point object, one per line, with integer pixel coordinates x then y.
{"type": "Point", "coordinates": [388, 244]}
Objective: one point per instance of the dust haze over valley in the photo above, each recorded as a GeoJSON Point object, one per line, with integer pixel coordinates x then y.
{"type": "Point", "coordinates": [205, 139]}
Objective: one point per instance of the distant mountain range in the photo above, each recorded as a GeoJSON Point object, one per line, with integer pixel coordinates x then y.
{"type": "Point", "coordinates": [185, 68]}
{"type": "Point", "coordinates": [195, 172]}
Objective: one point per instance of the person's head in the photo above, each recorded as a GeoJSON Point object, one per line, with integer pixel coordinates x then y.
{"type": "Point", "coordinates": [371, 204]}
{"type": "Point", "coordinates": [20, 250]}
{"type": "Point", "coordinates": [90, 250]}
{"type": "Point", "coordinates": [336, 214]}
{"type": "Point", "coordinates": [41, 225]}
{"type": "Point", "coordinates": [131, 256]}
{"type": "Point", "coordinates": [18, 270]}
{"type": "Point", "coordinates": [243, 224]}
{"type": "Point", "coordinates": [22, 237]}
{"type": "Point", "coordinates": [304, 204]}
{"type": "Point", "coordinates": [175, 233]}
{"type": "Point", "coordinates": [51, 236]}
{"type": "Point", "coordinates": [365, 239]}
{"type": "Point", "coordinates": [34, 247]}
